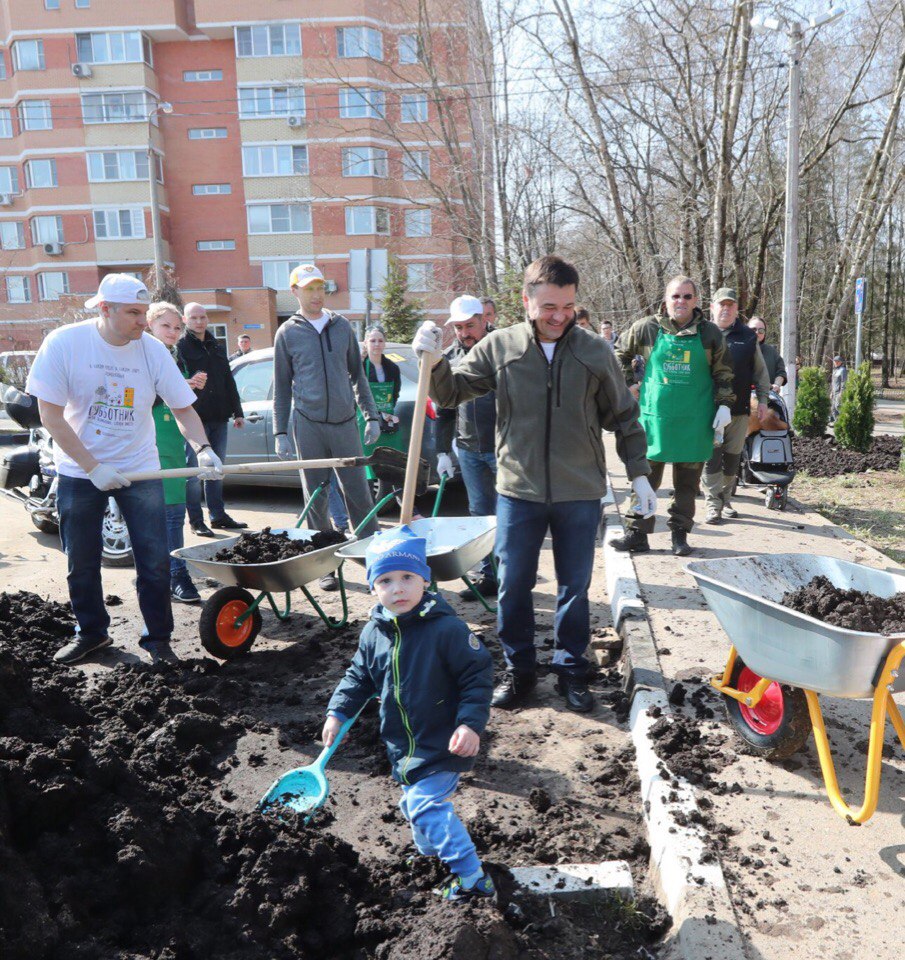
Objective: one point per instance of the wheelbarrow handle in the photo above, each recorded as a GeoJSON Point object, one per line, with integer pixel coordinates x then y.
{"type": "Point", "coordinates": [245, 468]}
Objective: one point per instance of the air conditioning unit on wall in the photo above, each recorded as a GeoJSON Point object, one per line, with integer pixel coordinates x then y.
{"type": "Point", "coordinates": [331, 286]}
{"type": "Point", "coordinates": [81, 70]}
{"type": "Point", "coordinates": [53, 249]}
{"type": "Point", "coordinates": [295, 121]}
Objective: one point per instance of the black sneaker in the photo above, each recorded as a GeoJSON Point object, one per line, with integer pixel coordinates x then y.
{"type": "Point", "coordinates": [226, 522]}
{"type": "Point", "coordinates": [485, 586]}
{"type": "Point", "coordinates": [328, 583]}
{"type": "Point", "coordinates": [574, 691]}
{"type": "Point", "coordinates": [680, 543]}
{"type": "Point", "coordinates": [514, 690]}
{"type": "Point", "coordinates": [202, 530]}
{"type": "Point", "coordinates": [157, 651]}
{"type": "Point", "coordinates": [78, 648]}
{"type": "Point", "coordinates": [633, 542]}
{"type": "Point", "coordinates": [185, 593]}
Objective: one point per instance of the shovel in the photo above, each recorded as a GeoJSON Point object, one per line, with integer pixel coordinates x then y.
{"type": "Point", "coordinates": [306, 789]}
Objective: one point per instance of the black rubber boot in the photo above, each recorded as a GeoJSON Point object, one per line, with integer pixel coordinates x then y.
{"type": "Point", "coordinates": [680, 543]}
{"type": "Point", "coordinates": [514, 690]}
{"type": "Point", "coordinates": [633, 542]}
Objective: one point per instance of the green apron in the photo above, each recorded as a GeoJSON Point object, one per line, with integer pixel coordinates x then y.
{"type": "Point", "coordinates": [171, 450]}
{"type": "Point", "coordinates": [677, 401]}
{"type": "Point", "coordinates": [383, 400]}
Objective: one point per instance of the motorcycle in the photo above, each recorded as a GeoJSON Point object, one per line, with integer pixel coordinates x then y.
{"type": "Point", "coordinates": [28, 475]}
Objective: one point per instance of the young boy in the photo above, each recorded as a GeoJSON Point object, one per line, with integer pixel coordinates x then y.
{"type": "Point", "coordinates": [434, 679]}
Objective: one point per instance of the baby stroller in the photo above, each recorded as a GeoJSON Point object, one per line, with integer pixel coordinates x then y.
{"type": "Point", "coordinates": [767, 459]}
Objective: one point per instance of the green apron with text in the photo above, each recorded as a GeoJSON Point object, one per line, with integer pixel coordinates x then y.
{"type": "Point", "coordinates": [383, 400]}
{"type": "Point", "coordinates": [677, 401]}
{"type": "Point", "coordinates": [171, 450]}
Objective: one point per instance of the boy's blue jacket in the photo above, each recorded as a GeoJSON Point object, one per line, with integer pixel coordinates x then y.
{"type": "Point", "coordinates": [431, 674]}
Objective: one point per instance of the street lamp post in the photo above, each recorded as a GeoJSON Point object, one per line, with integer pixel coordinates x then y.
{"type": "Point", "coordinates": [162, 107]}
{"type": "Point", "coordinates": [795, 32]}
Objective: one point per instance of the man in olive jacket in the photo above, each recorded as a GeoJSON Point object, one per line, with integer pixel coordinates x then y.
{"type": "Point", "coordinates": [556, 386]}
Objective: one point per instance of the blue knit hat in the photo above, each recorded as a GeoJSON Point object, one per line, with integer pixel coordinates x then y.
{"type": "Point", "coordinates": [397, 549]}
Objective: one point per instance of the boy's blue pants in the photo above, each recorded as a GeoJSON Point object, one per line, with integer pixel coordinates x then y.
{"type": "Point", "coordinates": [437, 831]}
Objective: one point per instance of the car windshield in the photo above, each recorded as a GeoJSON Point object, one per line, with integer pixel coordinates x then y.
{"type": "Point", "coordinates": [403, 355]}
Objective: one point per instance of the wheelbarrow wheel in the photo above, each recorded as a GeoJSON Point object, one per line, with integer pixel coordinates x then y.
{"type": "Point", "coordinates": [219, 634]}
{"type": "Point", "coordinates": [778, 726]}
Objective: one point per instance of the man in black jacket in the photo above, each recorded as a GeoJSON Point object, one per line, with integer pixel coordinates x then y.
{"type": "Point", "coordinates": [218, 400]}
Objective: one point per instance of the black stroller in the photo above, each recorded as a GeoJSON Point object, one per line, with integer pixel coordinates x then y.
{"type": "Point", "coordinates": [767, 459]}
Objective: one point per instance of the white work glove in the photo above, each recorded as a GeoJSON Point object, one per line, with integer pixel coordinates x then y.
{"type": "Point", "coordinates": [105, 477]}
{"type": "Point", "coordinates": [211, 465]}
{"type": "Point", "coordinates": [284, 447]}
{"type": "Point", "coordinates": [445, 465]}
{"type": "Point", "coordinates": [429, 340]}
{"type": "Point", "coordinates": [372, 432]}
{"type": "Point", "coordinates": [647, 499]}
{"type": "Point", "coordinates": [722, 419]}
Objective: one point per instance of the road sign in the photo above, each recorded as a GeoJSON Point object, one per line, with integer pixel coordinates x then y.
{"type": "Point", "coordinates": [860, 290]}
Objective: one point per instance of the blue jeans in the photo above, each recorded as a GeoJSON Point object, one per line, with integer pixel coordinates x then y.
{"type": "Point", "coordinates": [479, 476]}
{"type": "Point", "coordinates": [338, 512]}
{"type": "Point", "coordinates": [436, 829]}
{"type": "Point", "coordinates": [82, 507]}
{"type": "Point", "coordinates": [521, 528]}
{"type": "Point", "coordinates": [217, 434]}
{"type": "Point", "coordinates": [179, 572]}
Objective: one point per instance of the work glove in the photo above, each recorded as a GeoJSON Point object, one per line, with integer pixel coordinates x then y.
{"type": "Point", "coordinates": [722, 419]}
{"type": "Point", "coordinates": [284, 447]}
{"type": "Point", "coordinates": [211, 465]}
{"type": "Point", "coordinates": [372, 432]}
{"type": "Point", "coordinates": [647, 499]}
{"type": "Point", "coordinates": [428, 340]}
{"type": "Point", "coordinates": [445, 465]}
{"type": "Point", "coordinates": [105, 477]}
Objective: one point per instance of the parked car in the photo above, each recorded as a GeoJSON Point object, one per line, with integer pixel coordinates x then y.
{"type": "Point", "coordinates": [254, 442]}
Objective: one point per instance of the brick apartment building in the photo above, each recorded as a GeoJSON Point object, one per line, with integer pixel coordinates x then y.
{"type": "Point", "coordinates": [332, 130]}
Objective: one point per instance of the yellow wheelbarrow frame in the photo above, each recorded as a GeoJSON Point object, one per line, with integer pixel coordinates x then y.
{"type": "Point", "coordinates": [883, 706]}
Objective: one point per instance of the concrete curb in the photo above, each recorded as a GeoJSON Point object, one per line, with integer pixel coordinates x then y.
{"type": "Point", "coordinates": [690, 883]}
{"type": "Point", "coordinates": [578, 881]}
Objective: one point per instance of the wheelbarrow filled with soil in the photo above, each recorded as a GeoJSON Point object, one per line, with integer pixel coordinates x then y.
{"type": "Point", "coordinates": [803, 625]}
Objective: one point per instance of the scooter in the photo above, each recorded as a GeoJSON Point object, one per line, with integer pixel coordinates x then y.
{"type": "Point", "coordinates": [28, 475]}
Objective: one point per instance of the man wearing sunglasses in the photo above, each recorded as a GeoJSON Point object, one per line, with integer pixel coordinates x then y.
{"type": "Point", "coordinates": [685, 397]}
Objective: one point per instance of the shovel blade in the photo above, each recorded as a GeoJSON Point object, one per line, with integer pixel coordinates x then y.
{"type": "Point", "coordinates": [302, 790]}
{"type": "Point", "coordinates": [388, 465]}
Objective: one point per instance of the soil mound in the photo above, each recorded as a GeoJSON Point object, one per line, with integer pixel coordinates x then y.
{"type": "Point", "coordinates": [851, 609]}
{"type": "Point", "coordinates": [823, 457]}
{"type": "Point", "coordinates": [267, 547]}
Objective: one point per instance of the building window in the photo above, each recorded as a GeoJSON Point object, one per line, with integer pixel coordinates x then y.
{"type": "Point", "coordinates": [40, 174]}
{"type": "Point", "coordinates": [359, 42]}
{"type": "Point", "coordinates": [364, 162]}
{"type": "Point", "coordinates": [128, 224]}
{"type": "Point", "coordinates": [367, 220]}
{"type": "Point", "coordinates": [279, 218]}
{"type": "Point", "coordinates": [28, 54]}
{"type": "Point", "coordinates": [420, 277]}
{"type": "Point", "coordinates": [121, 165]}
{"type": "Point", "coordinates": [276, 273]}
{"type": "Point", "coordinates": [416, 165]}
{"type": "Point", "coordinates": [9, 180]}
{"type": "Point", "coordinates": [410, 48]}
{"type": "Point", "coordinates": [274, 160]}
{"type": "Point", "coordinates": [355, 102]}
{"type": "Point", "coordinates": [271, 102]}
{"type": "Point", "coordinates": [128, 47]}
{"type": "Point", "coordinates": [12, 235]}
{"type": "Point", "coordinates": [51, 4]}
{"type": "Point", "coordinates": [18, 290]}
{"type": "Point", "coordinates": [52, 284]}
{"type": "Point", "coordinates": [123, 107]}
{"type": "Point", "coordinates": [413, 108]}
{"type": "Point", "coordinates": [207, 133]}
{"type": "Point", "coordinates": [82, 4]}
{"type": "Point", "coordinates": [6, 124]}
{"type": "Point", "coordinates": [211, 189]}
{"type": "Point", "coordinates": [2, 66]}
{"type": "Point", "coordinates": [207, 245]}
{"type": "Point", "coordinates": [201, 76]}
{"type": "Point", "coordinates": [418, 223]}
{"type": "Point", "coordinates": [274, 40]}
{"type": "Point", "coordinates": [46, 230]}
{"type": "Point", "coordinates": [34, 115]}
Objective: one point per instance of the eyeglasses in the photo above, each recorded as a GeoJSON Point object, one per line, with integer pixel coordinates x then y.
{"type": "Point", "coordinates": [760, 329]}
{"type": "Point", "coordinates": [682, 296]}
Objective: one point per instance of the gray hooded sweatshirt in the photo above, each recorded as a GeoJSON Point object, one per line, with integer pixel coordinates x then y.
{"type": "Point", "coordinates": [319, 375]}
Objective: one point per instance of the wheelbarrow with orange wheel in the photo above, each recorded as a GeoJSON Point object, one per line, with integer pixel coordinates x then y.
{"type": "Point", "coordinates": [781, 661]}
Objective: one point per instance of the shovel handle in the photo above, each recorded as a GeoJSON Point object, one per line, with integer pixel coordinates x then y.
{"type": "Point", "coordinates": [328, 752]}
{"type": "Point", "coordinates": [414, 454]}
{"type": "Point", "coordinates": [243, 468]}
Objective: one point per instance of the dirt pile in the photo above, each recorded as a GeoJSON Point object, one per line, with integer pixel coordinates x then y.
{"type": "Point", "coordinates": [851, 609]}
{"type": "Point", "coordinates": [823, 457]}
{"type": "Point", "coordinates": [267, 547]}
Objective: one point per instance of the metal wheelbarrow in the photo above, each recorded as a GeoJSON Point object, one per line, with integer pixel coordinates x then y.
{"type": "Point", "coordinates": [781, 661]}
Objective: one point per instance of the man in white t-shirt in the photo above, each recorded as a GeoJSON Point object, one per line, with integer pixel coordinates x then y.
{"type": "Point", "coordinates": [96, 382]}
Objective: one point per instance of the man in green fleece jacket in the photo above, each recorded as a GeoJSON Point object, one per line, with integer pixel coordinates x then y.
{"type": "Point", "coordinates": [556, 386]}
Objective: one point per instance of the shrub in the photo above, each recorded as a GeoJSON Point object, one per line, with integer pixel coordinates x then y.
{"type": "Point", "coordinates": [812, 403]}
{"type": "Point", "coordinates": [399, 316]}
{"type": "Point", "coordinates": [855, 423]}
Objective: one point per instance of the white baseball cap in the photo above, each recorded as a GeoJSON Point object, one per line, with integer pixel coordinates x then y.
{"type": "Point", "coordinates": [304, 274]}
{"type": "Point", "coordinates": [464, 308]}
{"type": "Point", "coordinates": [120, 288]}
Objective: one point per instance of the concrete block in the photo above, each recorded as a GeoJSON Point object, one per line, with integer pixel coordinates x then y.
{"type": "Point", "coordinates": [580, 881]}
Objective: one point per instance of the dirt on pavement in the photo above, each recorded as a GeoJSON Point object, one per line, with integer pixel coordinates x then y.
{"type": "Point", "coordinates": [823, 457]}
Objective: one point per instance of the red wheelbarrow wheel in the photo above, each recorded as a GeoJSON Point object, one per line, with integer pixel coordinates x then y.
{"type": "Point", "coordinates": [219, 634]}
{"type": "Point", "coordinates": [778, 726]}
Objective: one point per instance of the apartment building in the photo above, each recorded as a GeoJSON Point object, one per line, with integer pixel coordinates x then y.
{"type": "Point", "coordinates": [338, 131]}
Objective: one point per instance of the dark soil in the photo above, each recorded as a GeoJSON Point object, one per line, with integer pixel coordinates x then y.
{"type": "Point", "coordinates": [823, 457]}
{"type": "Point", "coordinates": [267, 547]}
{"type": "Point", "coordinates": [851, 609]}
{"type": "Point", "coordinates": [115, 845]}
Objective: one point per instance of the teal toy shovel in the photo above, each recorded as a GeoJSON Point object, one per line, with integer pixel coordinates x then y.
{"type": "Point", "coordinates": [306, 789]}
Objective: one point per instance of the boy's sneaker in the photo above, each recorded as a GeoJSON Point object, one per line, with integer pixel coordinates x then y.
{"type": "Point", "coordinates": [78, 648]}
{"type": "Point", "coordinates": [185, 593]}
{"type": "Point", "coordinates": [453, 891]}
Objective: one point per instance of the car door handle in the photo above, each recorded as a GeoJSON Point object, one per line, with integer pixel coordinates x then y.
{"type": "Point", "coordinates": [254, 417]}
